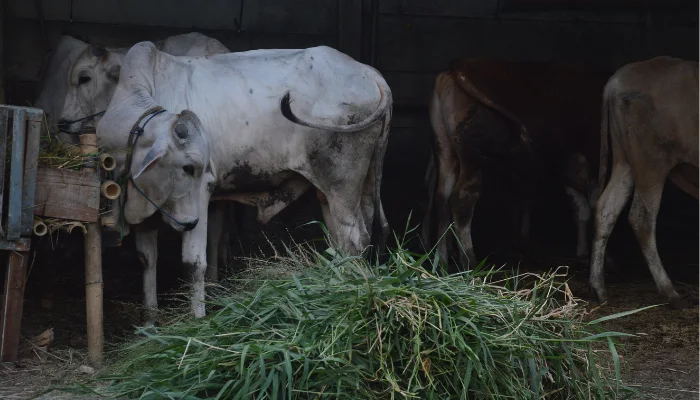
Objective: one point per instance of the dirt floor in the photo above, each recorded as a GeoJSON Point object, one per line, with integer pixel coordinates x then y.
{"type": "Point", "coordinates": [662, 359]}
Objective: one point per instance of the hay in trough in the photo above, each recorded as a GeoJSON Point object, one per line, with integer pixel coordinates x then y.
{"type": "Point", "coordinates": [339, 327]}
{"type": "Point", "coordinates": [55, 224]}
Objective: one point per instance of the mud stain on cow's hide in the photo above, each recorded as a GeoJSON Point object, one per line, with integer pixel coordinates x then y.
{"type": "Point", "coordinates": [242, 178]}
{"type": "Point", "coordinates": [210, 187]}
{"type": "Point", "coordinates": [352, 114]}
{"type": "Point", "coordinates": [335, 143]}
{"type": "Point", "coordinates": [323, 163]}
{"type": "Point", "coordinates": [277, 196]}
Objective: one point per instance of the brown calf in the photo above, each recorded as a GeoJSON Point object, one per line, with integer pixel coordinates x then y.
{"type": "Point", "coordinates": [515, 118]}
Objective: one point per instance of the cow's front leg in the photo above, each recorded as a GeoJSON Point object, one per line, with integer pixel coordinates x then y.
{"type": "Point", "coordinates": [146, 238]}
{"type": "Point", "coordinates": [194, 257]}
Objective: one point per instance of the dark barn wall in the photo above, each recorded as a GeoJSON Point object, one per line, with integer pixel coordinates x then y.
{"type": "Point", "coordinates": [409, 42]}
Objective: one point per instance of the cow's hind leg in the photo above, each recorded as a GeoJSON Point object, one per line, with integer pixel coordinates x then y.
{"type": "Point", "coordinates": [370, 203]}
{"type": "Point", "coordinates": [462, 202]}
{"type": "Point", "coordinates": [608, 209]}
{"type": "Point", "coordinates": [147, 251]}
{"type": "Point", "coordinates": [642, 218]}
{"type": "Point", "coordinates": [345, 220]}
{"type": "Point", "coordinates": [448, 170]}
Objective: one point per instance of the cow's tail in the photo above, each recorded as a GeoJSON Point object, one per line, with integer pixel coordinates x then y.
{"type": "Point", "coordinates": [383, 107]}
{"type": "Point", "coordinates": [604, 139]}
{"type": "Point", "coordinates": [458, 74]}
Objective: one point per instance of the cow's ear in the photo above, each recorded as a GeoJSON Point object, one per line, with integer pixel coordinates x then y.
{"type": "Point", "coordinates": [156, 152]}
{"type": "Point", "coordinates": [113, 73]}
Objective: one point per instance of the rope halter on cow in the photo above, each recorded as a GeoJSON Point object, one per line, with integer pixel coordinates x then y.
{"type": "Point", "coordinates": [63, 124]}
{"type": "Point", "coordinates": [134, 134]}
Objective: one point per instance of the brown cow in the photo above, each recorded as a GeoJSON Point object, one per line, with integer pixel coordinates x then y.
{"type": "Point", "coordinates": [650, 112]}
{"type": "Point", "coordinates": [484, 112]}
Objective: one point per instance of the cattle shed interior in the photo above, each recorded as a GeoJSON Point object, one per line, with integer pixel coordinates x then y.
{"type": "Point", "coordinates": [409, 42]}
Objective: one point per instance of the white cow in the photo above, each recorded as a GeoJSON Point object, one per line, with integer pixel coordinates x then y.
{"type": "Point", "coordinates": [78, 81]}
{"type": "Point", "coordinates": [53, 83]}
{"type": "Point", "coordinates": [224, 129]}
{"type": "Point", "coordinates": [71, 53]}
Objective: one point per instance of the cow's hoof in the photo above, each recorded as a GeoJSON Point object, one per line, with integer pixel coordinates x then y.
{"type": "Point", "coordinates": [682, 303]}
{"type": "Point", "coordinates": [589, 295]}
{"type": "Point", "coordinates": [599, 296]}
{"type": "Point", "coordinates": [149, 327]}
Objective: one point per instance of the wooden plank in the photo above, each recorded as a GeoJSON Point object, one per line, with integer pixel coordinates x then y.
{"type": "Point", "coordinates": [67, 177]}
{"type": "Point", "coordinates": [191, 14]}
{"type": "Point", "coordinates": [67, 194]}
{"type": "Point", "coordinates": [446, 8]}
{"type": "Point", "coordinates": [22, 244]}
{"type": "Point", "coordinates": [3, 152]}
{"type": "Point", "coordinates": [2, 58]}
{"type": "Point", "coordinates": [12, 301]}
{"type": "Point", "coordinates": [410, 89]}
{"type": "Point", "coordinates": [350, 28]}
{"type": "Point", "coordinates": [30, 171]}
{"type": "Point", "coordinates": [53, 9]}
{"type": "Point", "coordinates": [490, 8]}
{"type": "Point", "coordinates": [14, 209]}
{"type": "Point", "coordinates": [319, 17]}
{"type": "Point", "coordinates": [435, 41]}
{"type": "Point", "coordinates": [291, 41]}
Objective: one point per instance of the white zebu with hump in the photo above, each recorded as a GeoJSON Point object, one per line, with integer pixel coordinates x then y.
{"type": "Point", "coordinates": [79, 80]}
{"type": "Point", "coordinates": [225, 130]}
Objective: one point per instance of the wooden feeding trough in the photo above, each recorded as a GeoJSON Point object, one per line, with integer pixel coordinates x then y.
{"type": "Point", "coordinates": [72, 197]}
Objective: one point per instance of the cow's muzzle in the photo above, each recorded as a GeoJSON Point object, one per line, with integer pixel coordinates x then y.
{"type": "Point", "coordinates": [63, 125]}
{"type": "Point", "coordinates": [188, 226]}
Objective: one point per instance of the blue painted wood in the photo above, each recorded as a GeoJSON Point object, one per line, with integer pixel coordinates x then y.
{"type": "Point", "coordinates": [22, 244]}
{"type": "Point", "coordinates": [3, 151]}
{"type": "Point", "coordinates": [31, 160]}
{"type": "Point", "coordinates": [14, 209]}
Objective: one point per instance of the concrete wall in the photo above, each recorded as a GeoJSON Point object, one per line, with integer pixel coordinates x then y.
{"type": "Point", "coordinates": [414, 40]}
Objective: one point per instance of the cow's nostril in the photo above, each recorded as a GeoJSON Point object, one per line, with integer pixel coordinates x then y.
{"type": "Point", "coordinates": [190, 225]}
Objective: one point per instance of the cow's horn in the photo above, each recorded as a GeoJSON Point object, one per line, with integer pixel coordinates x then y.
{"type": "Point", "coordinates": [181, 131]}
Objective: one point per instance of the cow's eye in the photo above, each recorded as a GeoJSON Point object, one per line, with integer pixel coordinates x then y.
{"type": "Point", "coordinates": [189, 170]}
{"type": "Point", "coordinates": [83, 80]}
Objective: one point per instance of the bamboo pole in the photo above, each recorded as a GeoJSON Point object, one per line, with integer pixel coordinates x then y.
{"type": "Point", "coordinates": [110, 190]}
{"type": "Point", "coordinates": [93, 271]}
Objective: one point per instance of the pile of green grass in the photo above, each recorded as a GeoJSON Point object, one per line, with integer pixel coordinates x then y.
{"type": "Point", "coordinates": [342, 328]}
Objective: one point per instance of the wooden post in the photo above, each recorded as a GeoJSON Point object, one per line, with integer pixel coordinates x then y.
{"type": "Point", "coordinates": [350, 28]}
{"type": "Point", "coordinates": [2, 58]}
{"type": "Point", "coordinates": [93, 271]}
{"type": "Point", "coordinates": [12, 301]}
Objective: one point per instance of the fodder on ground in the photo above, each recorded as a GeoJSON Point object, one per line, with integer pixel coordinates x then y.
{"type": "Point", "coordinates": [333, 326]}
